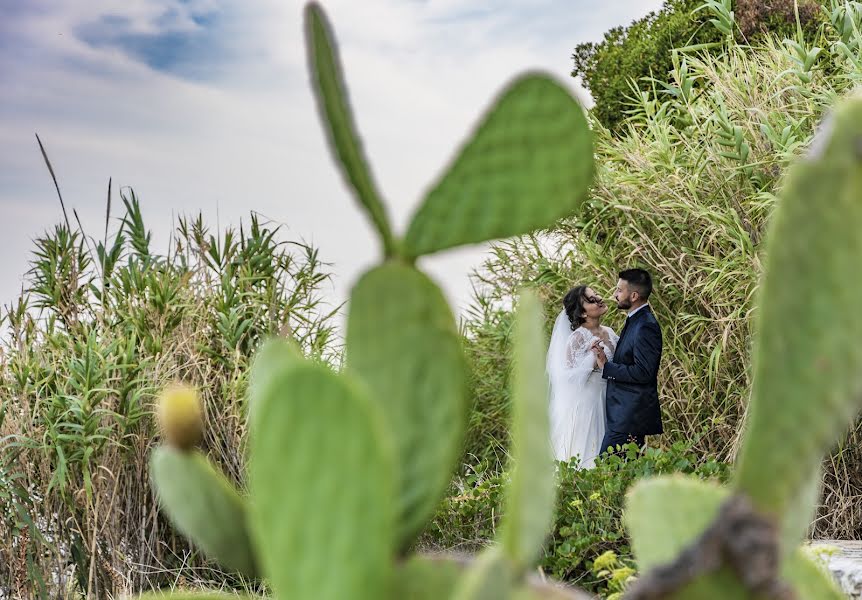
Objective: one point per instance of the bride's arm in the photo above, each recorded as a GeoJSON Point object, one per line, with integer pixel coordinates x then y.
{"type": "Point", "coordinates": [580, 359]}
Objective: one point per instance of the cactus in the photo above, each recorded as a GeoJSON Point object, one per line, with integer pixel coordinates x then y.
{"type": "Point", "coordinates": [528, 514]}
{"type": "Point", "coordinates": [528, 164]}
{"type": "Point", "coordinates": [194, 493]}
{"type": "Point", "coordinates": [321, 478]}
{"type": "Point", "coordinates": [402, 341]}
{"type": "Point", "coordinates": [345, 468]}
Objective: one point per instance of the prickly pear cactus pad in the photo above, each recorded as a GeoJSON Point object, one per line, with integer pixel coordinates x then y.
{"type": "Point", "coordinates": [667, 518]}
{"type": "Point", "coordinates": [808, 359]}
{"type": "Point", "coordinates": [528, 163]}
{"type": "Point", "coordinates": [331, 94]}
{"type": "Point", "coordinates": [530, 499]}
{"type": "Point", "coordinates": [402, 341]}
{"type": "Point", "coordinates": [204, 506]}
{"type": "Point", "coordinates": [274, 357]}
{"type": "Point", "coordinates": [322, 487]}
{"type": "Point", "coordinates": [192, 491]}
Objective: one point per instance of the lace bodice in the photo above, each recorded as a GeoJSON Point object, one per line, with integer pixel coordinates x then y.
{"type": "Point", "coordinates": [578, 347]}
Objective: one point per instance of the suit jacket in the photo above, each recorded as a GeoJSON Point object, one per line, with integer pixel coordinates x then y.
{"type": "Point", "coordinates": [632, 404]}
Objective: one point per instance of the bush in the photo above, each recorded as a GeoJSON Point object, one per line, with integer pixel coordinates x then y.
{"type": "Point", "coordinates": [636, 54]}
{"type": "Point", "coordinates": [100, 327]}
{"type": "Point", "coordinates": [643, 49]}
{"type": "Point", "coordinates": [588, 516]}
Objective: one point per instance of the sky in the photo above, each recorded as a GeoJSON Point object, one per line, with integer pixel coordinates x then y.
{"type": "Point", "coordinates": [205, 106]}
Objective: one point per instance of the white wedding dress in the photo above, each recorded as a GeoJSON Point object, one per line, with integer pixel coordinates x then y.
{"type": "Point", "coordinates": [577, 392]}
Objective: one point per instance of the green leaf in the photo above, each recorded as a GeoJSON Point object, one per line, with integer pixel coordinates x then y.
{"type": "Point", "coordinates": [334, 107]}
{"type": "Point", "coordinates": [529, 163]}
{"type": "Point", "coordinates": [808, 359]}
{"type": "Point", "coordinates": [403, 343]}
{"type": "Point", "coordinates": [203, 506]}
{"type": "Point", "coordinates": [321, 472]}
{"type": "Point", "coordinates": [530, 499]}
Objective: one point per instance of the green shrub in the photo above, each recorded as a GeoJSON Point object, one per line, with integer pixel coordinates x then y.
{"type": "Point", "coordinates": [589, 512]}
{"type": "Point", "coordinates": [643, 51]}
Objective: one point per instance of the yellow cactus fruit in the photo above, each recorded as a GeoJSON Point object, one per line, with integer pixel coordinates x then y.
{"type": "Point", "coordinates": [180, 416]}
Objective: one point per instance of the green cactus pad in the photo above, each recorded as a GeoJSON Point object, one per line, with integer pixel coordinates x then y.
{"type": "Point", "coordinates": [808, 360]}
{"type": "Point", "coordinates": [436, 576]}
{"type": "Point", "coordinates": [529, 163]}
{"type": "Point", "coordinates": [665, 514]}
{"type": "Point", "coordinates": [811, 581]}
{"type": "Point", "coordinates": [801, 511]}
{"type": "Point", "coordinates": [530, 497]}
{"type": "Point", "coordinates": [203, 506]}
{"type": "Point", "coordinates": [490, 577]}
{"type": "Point", "coordinates": [321, 473]}
{"type": "Point", "coordinates": [274, 356]}
{"type": "Point", "coordinates": [423, 577]}
{"type": "Point", "coordinates": [403, 343]}
{"type": "Point", "coordinates": [334, 107]}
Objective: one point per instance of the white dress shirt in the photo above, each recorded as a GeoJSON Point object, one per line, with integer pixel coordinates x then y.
{"type": "Point", "coordinates": [631, 314]}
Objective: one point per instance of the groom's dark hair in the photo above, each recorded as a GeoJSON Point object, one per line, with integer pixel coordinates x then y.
{"type": "Point", "coordinates": [639, 280]}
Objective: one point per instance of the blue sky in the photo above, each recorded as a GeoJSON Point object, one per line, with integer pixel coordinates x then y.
{"type": "Point", "coordinates": [205, 105]}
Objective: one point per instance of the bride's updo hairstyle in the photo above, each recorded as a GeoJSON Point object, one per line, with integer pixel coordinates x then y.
{"type": "Point", "coordinates": [573, 303]}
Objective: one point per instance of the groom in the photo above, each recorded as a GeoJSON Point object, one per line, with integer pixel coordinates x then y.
{"type": "Point", "coordinates": [632, 408]}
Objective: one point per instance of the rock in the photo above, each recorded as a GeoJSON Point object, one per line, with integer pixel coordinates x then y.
{"type": "Point", "coordinates": [843, 558]}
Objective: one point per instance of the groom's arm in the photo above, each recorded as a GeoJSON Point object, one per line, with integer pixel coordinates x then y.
{"type": "Point", "coordinates": [647, 354]}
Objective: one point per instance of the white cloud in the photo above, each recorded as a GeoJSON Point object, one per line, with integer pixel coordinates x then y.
{"type": "Point", "coordinates": [245, 136]}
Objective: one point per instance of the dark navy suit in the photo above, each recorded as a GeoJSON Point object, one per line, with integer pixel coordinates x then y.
{"type": "Point", "coordinates": [632, 408]}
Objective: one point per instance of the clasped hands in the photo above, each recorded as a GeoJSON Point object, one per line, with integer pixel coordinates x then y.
{"type": "Point", "coordinates": [599, 351]}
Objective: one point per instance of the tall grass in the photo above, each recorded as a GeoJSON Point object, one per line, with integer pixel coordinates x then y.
{"type": "Point", "coordinates": [686, 191]}
{"type": "Point", "coordinates": [100, 326]}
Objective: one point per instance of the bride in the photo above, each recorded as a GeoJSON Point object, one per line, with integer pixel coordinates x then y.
{"type": "Point", "coordinates": [577, 390]}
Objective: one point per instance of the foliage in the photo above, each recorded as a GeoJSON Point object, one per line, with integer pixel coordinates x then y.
{"type": "Point", "coordinates": [589, 511]}
{"type": "Point", "coordinates": [100, 326]}
{"type": "Point", "coordinates": [639, 57]}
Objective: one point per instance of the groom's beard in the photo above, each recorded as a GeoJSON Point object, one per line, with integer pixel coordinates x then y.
{"type": "Point", "coordinates": [624, 304]}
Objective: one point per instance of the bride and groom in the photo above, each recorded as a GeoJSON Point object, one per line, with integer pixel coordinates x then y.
{"type": "Point", "coordinates": [603, 387]}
